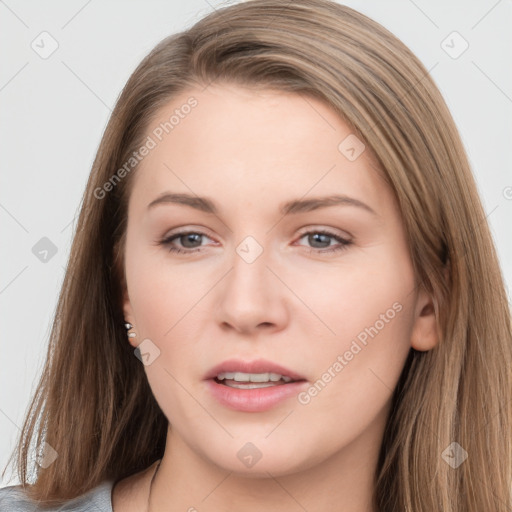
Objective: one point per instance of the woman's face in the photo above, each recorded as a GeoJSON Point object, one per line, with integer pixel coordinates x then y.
{"type": "Point", "coordinates": [272, 281]}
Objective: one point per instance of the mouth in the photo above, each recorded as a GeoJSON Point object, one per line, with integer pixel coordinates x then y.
{"type": "Point", "coordinates": [260, 371]}
{"type": "Point", "coordinates": [241, 380]}
{"type": "Point", "coordinates": [252, 386]}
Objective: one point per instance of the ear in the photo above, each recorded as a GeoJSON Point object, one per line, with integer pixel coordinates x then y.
{"type": "Point", "coordinates": [425, 335]}
{"type": "Point", "coordinates": [129, 317]}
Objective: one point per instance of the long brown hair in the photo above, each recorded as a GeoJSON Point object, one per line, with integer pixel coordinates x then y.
{"type": "Point", "coordinates": [93, 403]}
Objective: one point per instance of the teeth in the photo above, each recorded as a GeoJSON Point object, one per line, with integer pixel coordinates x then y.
{"type": "Point", "coordinates": [254, 385]}
{"type": "Point", "coordinates": [252, 377]}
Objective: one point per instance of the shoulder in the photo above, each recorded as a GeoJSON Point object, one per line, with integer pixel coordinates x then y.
{"type": "Point", "coordinates": [14, 499]}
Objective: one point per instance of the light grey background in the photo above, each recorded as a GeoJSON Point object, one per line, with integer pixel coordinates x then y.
{"type": "Point", "coordinates": [54, 111]}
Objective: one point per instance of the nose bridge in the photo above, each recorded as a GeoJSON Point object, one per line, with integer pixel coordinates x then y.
{"type": "Point", "coordinates": [251, 249]}
{"type": "Point", "coordinates": [249, 275]}
{"type": "Point", "coordinates": [250, 296]}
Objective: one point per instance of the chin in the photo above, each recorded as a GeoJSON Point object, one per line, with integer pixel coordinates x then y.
{"type": "Point", "coordinates": [253, 460]}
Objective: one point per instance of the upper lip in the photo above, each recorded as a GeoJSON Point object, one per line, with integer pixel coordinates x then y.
{"type": "Point", "coordinates": [256, 366]}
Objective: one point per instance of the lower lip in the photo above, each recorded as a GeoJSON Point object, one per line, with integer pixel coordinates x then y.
{"type": "Point", "coordinates": [253, 400]}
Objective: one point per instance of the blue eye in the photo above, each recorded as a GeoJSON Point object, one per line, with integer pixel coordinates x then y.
{"type": "Point", "coordinates": [314, 236]}
{"type": "Point", "coordinates": [188, 237]}
{"type": "Point", "coordinates": [320, 235]}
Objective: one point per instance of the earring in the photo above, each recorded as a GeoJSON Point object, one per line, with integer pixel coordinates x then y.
{"type": "Point", "coordinates": [128, 327]}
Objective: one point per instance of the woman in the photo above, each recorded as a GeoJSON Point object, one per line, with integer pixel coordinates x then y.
{"type": "Point", "coordinates": [340, 341]}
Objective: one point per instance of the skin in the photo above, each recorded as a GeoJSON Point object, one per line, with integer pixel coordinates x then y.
{"type": "Point", "coordinates": [249, 151]}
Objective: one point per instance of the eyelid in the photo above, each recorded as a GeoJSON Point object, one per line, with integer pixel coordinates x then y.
{"type": "Point", "coordinates": [334, 231]}
{"type": "Point", "coordinates": [187, 229]}
{"type": "Point", "coordinates": [343, 242]}
{"type": "Point", "coordinates": [306, 230]}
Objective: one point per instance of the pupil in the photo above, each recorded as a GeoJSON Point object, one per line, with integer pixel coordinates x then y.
{"type": "Point", "coordinates": [189, 238]}
{"type": "Point", "coordinates": [317, 235]}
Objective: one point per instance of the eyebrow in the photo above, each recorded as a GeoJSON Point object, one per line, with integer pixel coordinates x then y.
{"type": "Point", "coordinates": [295, 206]}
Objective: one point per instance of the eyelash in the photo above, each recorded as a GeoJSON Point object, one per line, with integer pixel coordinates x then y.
{"type": "Point", "coordinates": [166, 242]}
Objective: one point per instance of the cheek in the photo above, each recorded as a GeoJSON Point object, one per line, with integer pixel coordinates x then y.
{"type": "Point", "coordinates": [165, 304]}
{"type": "Point", "coordinates": [366, 289]}
{"type": "Point", "coordinates": [370, 310]}
{"type": "Point", "coordinates": [161, 291]}
{"type": "Point", "coordinates": [172, 306]}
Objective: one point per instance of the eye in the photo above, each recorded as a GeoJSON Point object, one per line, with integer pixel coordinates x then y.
{"type": "Point", "coordinates": [191, 241]}
{"type": "Point", "coordinates": [188, 239]}
{"type": "Point", "coordinates": [322, 236]}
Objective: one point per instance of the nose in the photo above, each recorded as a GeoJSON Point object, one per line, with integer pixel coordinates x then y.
{"type": "Point", "coordinates": [251, 299]}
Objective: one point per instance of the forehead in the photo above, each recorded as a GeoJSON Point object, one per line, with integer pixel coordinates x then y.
{"type": "Point", "coordinates": [248, 146]}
